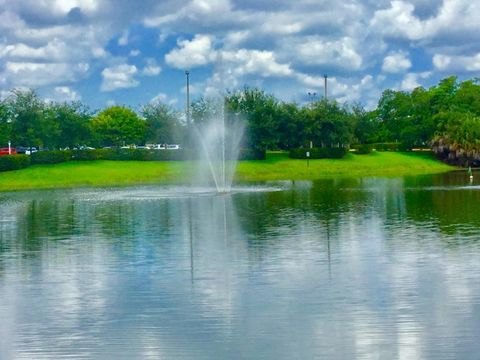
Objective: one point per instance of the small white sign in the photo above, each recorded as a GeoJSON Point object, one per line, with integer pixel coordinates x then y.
{"type": "Point", "coordinates": [308, 154]}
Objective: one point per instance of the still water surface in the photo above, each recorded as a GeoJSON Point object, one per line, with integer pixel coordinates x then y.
{"type": "Point", "coordinates": [334, 269]}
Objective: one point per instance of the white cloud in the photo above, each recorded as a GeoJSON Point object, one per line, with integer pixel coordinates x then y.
{"type": "Point", "coordinates": [134, 53]}
{"type": "Point", "coordinates": [399, 20]}
{"type": "Point", "coordinates": [396, 62]}
{"type": "Point", "coordinates": [123, 40]}
{"type": "Point", "coordinates": [31, 74]}
{"type": "Point", "coordinates": [54, 50]}
{"type": "Point", "coordinates": [152, 68]}
{"type": "Point", "coordinates": [191, 53]}
{"type": "Point", "coordinates": [411, 80]}
{"type": "Point", "coordinates": [161, 97]}
{"type": "Point", "coordinates": [262, 63]}
{"type": "Point", "coordinates": [454, 18]}
{"type": "Point", "coordinates": [164, 99]}
{"type": "Point", "coordinates": [457, 62]}
{"type": "Point", "coordinates": [340, 52]}
{"type": "Point", "coordinates": [65, 93]}
{"type": "Point", "coordinates": [119, 77]}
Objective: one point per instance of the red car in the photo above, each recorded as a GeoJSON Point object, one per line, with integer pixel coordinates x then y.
{"type": "Point", "coordinates": [4, 151]}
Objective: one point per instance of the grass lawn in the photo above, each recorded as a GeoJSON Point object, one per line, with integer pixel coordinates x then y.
{"type": "Point", "coordinates": [277, 167]}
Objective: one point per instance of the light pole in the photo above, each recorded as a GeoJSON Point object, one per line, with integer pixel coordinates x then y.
{"type": "Point", "coordinates": [312, 96]}
{"type": "Point", "coordinates": [325, 76]}
{"type": "Point", "coordinates": [187, 74]}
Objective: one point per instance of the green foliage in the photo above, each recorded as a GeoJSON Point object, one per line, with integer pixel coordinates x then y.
{"type": "Point", "coordinates": [445, 113]}
{"type": "Point", "coordinates": [117, 126]}
{"type": "Point", "coordinates": [329, 124]}
{"type": "Point", "coordinates": [319, 153]}
{"type": "Point", "coordinates": [89, 155]}
{"type": "Point", "coordinates": [50, 157]}
{"type": "Point", "coordinates": [31, 124]}
{"type": "Point", "coordinates": [388, 146]}
{"type": "Point", "coordinates": [251, 154]}
{"type": "Point", "coordinates": [14, 162]}
{"type": "Point", "coordinates": [362, 149]}
{"type": "Point", "coordinates": [162, 124]}
{"type": "Point", "coordinates": [367, 125]}
{"type": "Point", "coordinates": [259, 110]}
{"type": "Point", "coordinates": [149, 155]}
{"type": "Point", "coordinates": [291, 126]}
{"type": "Point", "coordinates": [133, 154]}
{"type": "Point", "coordinates": [5, 125]}
{"type": "Point", "coordinates": [73, 121]}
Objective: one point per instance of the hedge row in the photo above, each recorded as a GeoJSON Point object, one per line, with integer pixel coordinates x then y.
{"type": "Point", "coordinates": [51, 157]}
{"type": "Point", "coordinates": [362, 149]}
{"type": "Point", "coordinates": [390, 146]}
{"type": "Point", "coordinates": [319, 153]}
{"type": "Point", "coordinates": [14, 162]}
{"type": "Point", "coordinates": [394, 146]}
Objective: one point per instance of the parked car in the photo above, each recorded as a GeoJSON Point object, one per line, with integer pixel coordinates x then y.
{"type": "Point", "coordinates": [31, 150]}
{"type": "Point", "coordinates": [173, 147]}
{"type": "Point", "coordinates": [156, 146]}
{"type": "Point", "coordinates": [7, 151]}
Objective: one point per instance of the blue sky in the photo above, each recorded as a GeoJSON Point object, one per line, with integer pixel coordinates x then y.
{"type": "Point", "coordinates": [125, 52]}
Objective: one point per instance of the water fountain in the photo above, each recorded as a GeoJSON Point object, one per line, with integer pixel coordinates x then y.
{"type": "Point", "coordinates": [218, 138]}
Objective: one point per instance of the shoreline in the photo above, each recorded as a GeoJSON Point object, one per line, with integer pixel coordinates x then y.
{"type": "Point", "coordinates": [277, 166]}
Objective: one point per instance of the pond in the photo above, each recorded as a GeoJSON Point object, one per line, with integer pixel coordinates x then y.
{"type": "Point", "coordinates": [369, 268]}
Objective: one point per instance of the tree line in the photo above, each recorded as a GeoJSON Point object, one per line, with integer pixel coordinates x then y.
{"type": "Point", "coordinates": [447, 113]}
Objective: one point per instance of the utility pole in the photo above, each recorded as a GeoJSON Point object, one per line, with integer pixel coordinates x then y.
{"type": "Point", "coordinates": [187, 74]}
{"type": "Point", "coordinates": [325, 76]}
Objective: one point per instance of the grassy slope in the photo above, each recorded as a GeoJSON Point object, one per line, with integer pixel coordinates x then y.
{"type": "Point", "coordinates": [277, 167]}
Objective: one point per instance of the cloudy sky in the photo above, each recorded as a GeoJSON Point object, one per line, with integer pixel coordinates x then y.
{"type": "Point", "coordinates": [132, 52]}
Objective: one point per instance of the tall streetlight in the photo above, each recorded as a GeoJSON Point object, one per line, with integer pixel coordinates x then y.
{"type": "Point", "coordinates": [325, 76]}
{"type": "Point", "coordinates": [187, 74]}
{"type": "Point", "coordinates": [312, 96]}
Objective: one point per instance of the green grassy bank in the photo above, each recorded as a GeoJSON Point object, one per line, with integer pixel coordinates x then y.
{"type": "Point", "coordinates": [277, 167]}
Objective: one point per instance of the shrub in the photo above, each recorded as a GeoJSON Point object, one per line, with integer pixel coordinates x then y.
{"type": "Point", "coordinates": [96, 154]}
{"type": "Point", "coordinates": [14, 162]}
{"type": "Point", "coordinates": [149, 155]}
{"type": "Point", "coordinates": [362, 149]}
{"type": "Point", "coordinates": [319, 153]}
{"type": "Point", "coordinates": [252, 154]}
{"type": "Point", "coordinates": [51, 157]}
{"type": "Point", "coordinates": [394, 146]}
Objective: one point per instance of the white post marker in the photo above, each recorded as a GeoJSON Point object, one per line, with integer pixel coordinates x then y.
{"type": "Point", "coordinates": [9, 148]}
{"type": "Point", "coordinates": [308, 158]}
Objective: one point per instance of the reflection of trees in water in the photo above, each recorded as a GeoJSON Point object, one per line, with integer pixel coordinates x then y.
{"type": "Point", "coordinates": [445, 202]}
{"type": "Point", "coordinates": [36, 221]}
{"type": "Point", "coordinates": [308, 211]}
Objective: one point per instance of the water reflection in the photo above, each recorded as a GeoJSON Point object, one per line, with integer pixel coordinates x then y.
{"type": "Point", "coordinates": [352, 268]}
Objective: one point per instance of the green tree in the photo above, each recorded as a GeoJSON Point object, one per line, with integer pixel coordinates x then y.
{"type": "Point", "coordinates": [330, 125]}
{"type": "Point", "coordinates": [367, 127]}
{"type": "Point", "coordinates": [5, 125]}
{"type": "Point", "coordinates": [73, 120]}
{"type": "Point", "coordinates": [162, 124]}
{"type": "Point", "coordinates": [117, 126]}
{"type": "Point", "coordinates": [259, 109]}
{"type": "Point", "coordinates": [291, 126]}
{"type": "Point", "coordinates": [31, 120]}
